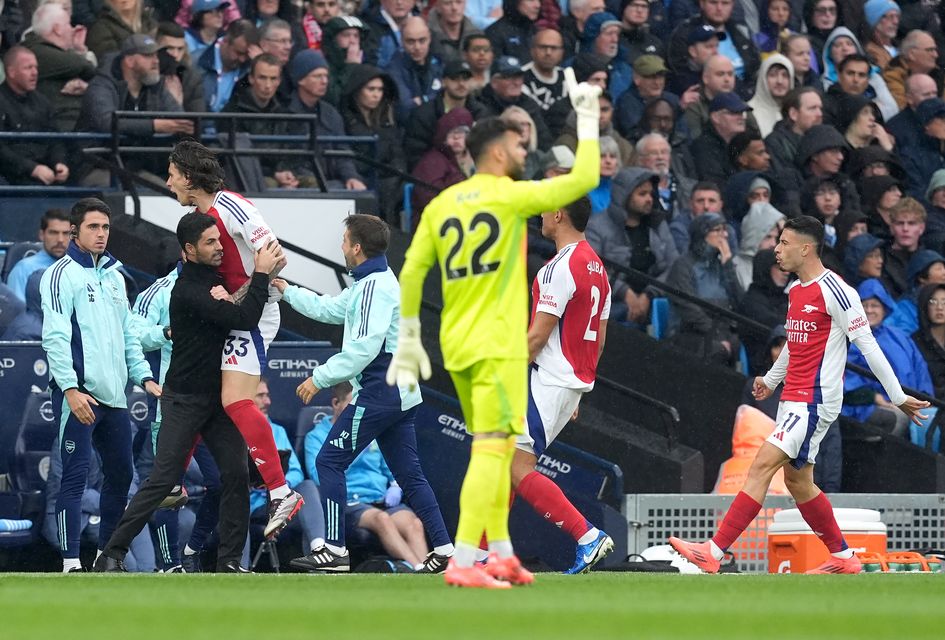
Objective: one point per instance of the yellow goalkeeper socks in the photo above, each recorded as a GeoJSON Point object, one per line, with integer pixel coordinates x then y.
{"type": "Point", "coordinates": [497, 525]}
{"type": "Point", "coordinates": [488, 467]}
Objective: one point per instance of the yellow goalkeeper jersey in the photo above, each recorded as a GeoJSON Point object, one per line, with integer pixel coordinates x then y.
{"type": "Point", "coordinates": [476, 232]}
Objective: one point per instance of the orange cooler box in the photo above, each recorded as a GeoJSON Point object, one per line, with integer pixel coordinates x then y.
{"type": "Point", "coordinates": [793, 547]}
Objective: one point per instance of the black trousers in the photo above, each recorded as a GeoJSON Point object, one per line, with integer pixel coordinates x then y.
{"type": "Point", "coordinates": [185, 417]}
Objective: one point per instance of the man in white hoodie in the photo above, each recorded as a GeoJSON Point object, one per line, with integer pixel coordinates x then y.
{"type": "Point", "coordinates": [775, 80]}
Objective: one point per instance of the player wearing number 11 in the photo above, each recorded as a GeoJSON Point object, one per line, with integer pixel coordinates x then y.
{"type": "Point", "coordinates": [823, 313]}
{"type": "Point", "coordinates": [476, 232]}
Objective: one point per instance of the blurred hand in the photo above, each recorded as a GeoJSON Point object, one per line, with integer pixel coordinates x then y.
{"type": "Point", "coordinates": [286, 180]}
{"type": "Point", "coordinates": [280, 284]}
{"type": "Point", "coordinates": [393, 496]}
{"type": "Point", "coordinates": [689, 96]}
{"type": "Point", "coordinates": [306, 391]}
{"type": "Point", "coordinates": [759, 390]}
{"type": "Point", "coordinates": [44, 174]}
{"type": "Point", "coordinates": [80, 404]}
{"type": "Point", "coordinates": [75, 87]}
{"type": "Point", "coordinates": [62, 172]}
{"type": "Point", "coordinates": [353, 184]}
{"type": "Point", "coordinates": [912, 406]}
{"type": "Point", "coordinates": [153, 388]}
{"type": "Point", "coordinates": [176, 125]}
{"type": "Point", "coordinates": [219, 293]}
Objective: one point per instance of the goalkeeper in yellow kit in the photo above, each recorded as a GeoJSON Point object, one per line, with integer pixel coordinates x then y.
{"type": "Point", "coordinates": [476, 232]}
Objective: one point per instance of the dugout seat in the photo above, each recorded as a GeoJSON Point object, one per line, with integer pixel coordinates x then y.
{"type": "Point", "coordinates": [659, 318]}
{"type": "Point", "coordinates": [308, 416]}
{"type": "Point", "coordinates": [38, 430]}
{"type": "Point", "coordinates": [10, 307]}
{"type": "Point", "coordinates": [16, 253]}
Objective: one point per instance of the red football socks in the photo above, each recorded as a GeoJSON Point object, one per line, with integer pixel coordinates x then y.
{"type": "Point", "coordinates": [818, 513]}
{"type": "Point", "coordinates": [739, 516]}
{"type": "Point", "coordinates": [547, 499]}
{"type": "Point", "coordinates": [257, 433]}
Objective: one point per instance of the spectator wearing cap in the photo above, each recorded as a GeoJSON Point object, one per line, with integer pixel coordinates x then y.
{"type": "Point", "coordinates": [820, 153]}
{"type": "Point", "coordinates": [633, 233]}
{"type": "Point", "coordinates": [736, 46]}
{"type": "Point", "coordinates": [571, 24]}
{"type": "Point", "coordinates": [116, 23]}
{"type": "Point", "coordinates": [558, 162]}
{"type": "Point", "coordinates": [421, 124]}
{"type": "Point", "coordinates": [702, 43]}
{"type": "Point", "coordinates": [449, 26]}
{"type": "Point", "coordinates": [934, 236]}
{"type": "Point", "coordinates": [727, 118]}
{"type": "Point", "coordinates": [636, 38]}
{"type": "Point", "coordinates": [863, 258]}
{"type": "Point", "coordinates": [309, 73]}
{"type": "Point", "coordinates": [602, 37]}
{"type": "Point", "coordinates": [447, 163]}
{"type": "Point", "coordinates": [62, 56]}
{"type": "Point", "coordinates": [918, 54]}
{"type": "Point", "coordinates": [206, 25]}
{"type": "Point", "coordinates": [654, 152]}
{"type": "Point", "coordinates": [775, 80]}
{"type": "Point", "coordinates": [865, 399]}
{"type": "Point", "coordinates": [881, 31]}
{"type": "Point", "coordinates": [649, 83]}
{"type": "Point", "coordinates": [385, 20]}
{"type": "Point", "coordinates": [505, 90]}
{"type": "Point", "coordinates": [223, 64]}
{"type": "Point", "coordinates": [544, 78]}
{"type": "Point", "coordinates": [925, 267]}
{"type": "Point", "coordinates": [185, 13]}
{"type": "Point", "coordinates": [588, 67]}
{"type": "Point", "coordinates": [905, 126]}
{"type": "Point", "coordinates": [511, 35]}
{"type": "Point", "coordinates": [706, 271]}
{"type": "Point", "coordinates": [478, 54]}
{"type": "Point", "coordinates": [416, 71]}
{"type": "Point", "coordinates": [131, 81]}
{"type": "Point", "coordinates": [258, 96]}
{"type": "Point", "coordinates": [180, 78]}
{"type": "Point", "coordinates": [907, 224]}
{"type": "Point", "coordinates": [23, 108]}
{"type": "Point", "coordinates": [342, 44]}
{"type": "Point", "coordinates": [927, 155]}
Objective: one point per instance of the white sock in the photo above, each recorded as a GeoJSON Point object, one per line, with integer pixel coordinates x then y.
{"type": "Point", "coordinates": [717, 553]}
{"type": "Point", "coordinates": [317, 543]}
{"type": "Point", "coordinates": [70, 563]}
{"type": "Point", "coordinates": [502, 548]}
{"type": "Point", "coordinates": [444, 549]}
{"type": "Point", "coordinates": [845, 554]}
{"type": "Point", "coordinates": [98, 554]}
{"type": "Point", "coordinates": [481, 555]}
{"type": "Point", "coordinates": [279, 492]}
{"type": "Point", "coordinates": [589, 537]}
{"type": "Point", "coordinates": [188, 551]}
{"type": "Point", "coordinates": [338, 551]}
{"type": "Point", "coordinates": [418, 566]}
{"type": "Point", "coordinates": [465, 555]}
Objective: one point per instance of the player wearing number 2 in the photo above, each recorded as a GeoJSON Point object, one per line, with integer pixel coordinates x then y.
{"type": "Point", "coordinates": [476, 232]}
{"type": "Point", "coordinates": [570, 307]}
{"type": "Point", "coordinates": [823, 313]}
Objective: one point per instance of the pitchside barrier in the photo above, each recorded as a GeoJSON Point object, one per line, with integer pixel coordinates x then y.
{"type": "Point", "coordinates": [913, 521]}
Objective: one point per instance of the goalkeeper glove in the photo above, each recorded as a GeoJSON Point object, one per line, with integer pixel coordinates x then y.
{"type": "Point", "coordinates": [410, 359]}
{"type": "Point", "coordinates": [585, 100]}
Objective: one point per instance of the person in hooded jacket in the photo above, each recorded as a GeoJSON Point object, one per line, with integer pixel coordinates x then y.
{"type": "Point", "coordinates": [841, 43]}
{"type": "Point", "coordinates": [925, 267]}
{"type": "Point", "coordinates": [633, 234]}
{"type": "Point", "coordinates": [511, 35]}
{"type": "Point", "coordinates": [820, 153]}
{"type": "Point", "coordinates": [934, 236]}
{"type": "Point", "coordinates": [775, 80]}
{"type": "Point", "coordinates": [873, 160]}
{"type": "Point", "coordinates": [930, 336]}
{"type": "Point", "coordinates": [637, 37]}
{"type": "Point", "coordinates": [708, 272]}
{"type": "Point", "coordinates": [619, 72]}
{"type": "Point", "coordinates": [765, 302]}
{"type": "Point", "coordinates": [863, 259]}
{"type": "Point", "coordinates": [28, 325]}
{"type": "Point", "coordinates": [879, 195]}
{"type": "Point", "coordinates": [759, 231]}
{"type": "Point", "coordinates": [342, 42]}
{"type": "Point", "coordinates": [448, 162]}
{"type": "Point", "coordinates": [864, 399]}
{"type": "Point", "coordinates": [367, 108]}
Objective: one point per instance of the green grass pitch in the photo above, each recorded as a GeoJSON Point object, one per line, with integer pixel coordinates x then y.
{"type": "Point", "coordinates": [596, 606]}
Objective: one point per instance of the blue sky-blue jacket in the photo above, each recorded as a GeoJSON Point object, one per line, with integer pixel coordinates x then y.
{"type": "Point", "coordinates": [370, 312]}
{"type": "Point", "coordinates": [87, 328]}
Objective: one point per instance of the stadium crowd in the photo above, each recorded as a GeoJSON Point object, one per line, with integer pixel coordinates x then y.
{"type": "Point", "coordinates": [719, 121]}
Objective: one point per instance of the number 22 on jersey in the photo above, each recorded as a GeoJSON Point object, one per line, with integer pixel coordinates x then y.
{"type": "Point", "coordinates": [455, 268]}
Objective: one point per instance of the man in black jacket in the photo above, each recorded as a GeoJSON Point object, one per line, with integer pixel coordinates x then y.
{"type": "Point", "coordinates": [201, 320]}
{"type": "Point", "coordinates": [22, 108]}
{"type": "Point", "coordinates": [727, 118]}
{"type": "Point", "coordinates": [505, 90]}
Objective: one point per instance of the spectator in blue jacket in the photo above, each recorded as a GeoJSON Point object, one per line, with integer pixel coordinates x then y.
{"type": "Point", "coordinates": [54, 233]}
{"type": "Point", "coordinates": [311, 520]}
{"type": "Point", "coordinates": [925, 267]}
{"type": "Point", "coordinates": [864, 399]}
{"type": "Point", "coordinates": [416, 71]}
{"type": "Point", "coordinates": [374, 497]}
{"type": "Point", "coordinates": [385, 20]}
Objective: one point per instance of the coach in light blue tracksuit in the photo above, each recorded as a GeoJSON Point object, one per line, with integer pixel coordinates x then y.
{"type": "Point", "coordinates": [152, 320]}
{"type": "Point", "coordinates": [92, 351]}
{"type": "Point", "coordinates": [370, 312]}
